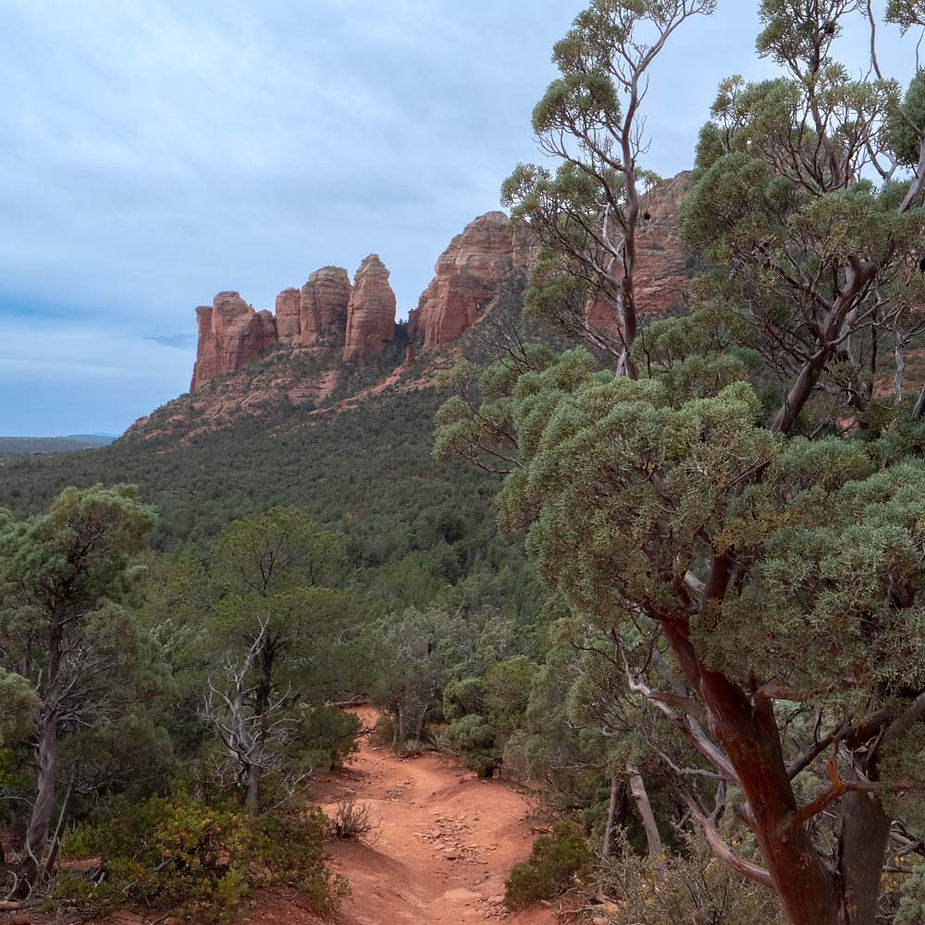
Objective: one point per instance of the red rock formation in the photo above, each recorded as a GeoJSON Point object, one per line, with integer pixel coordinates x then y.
{"type": "Point", "coordinates": [525, 246]}
{"type": "Point", "coordinates": [329, 311]}
{"type": "Point", "coordinates": [324, 302]}
{"type": "Point", "coordinates": [662, 275]}
{"type": "Point", "coordinates": [370, 313]}
{"type": "Point", "coordinates": [468, 274]}
{"type": "Point", "coordinates": [288, 320]}
{"type": "Point", "coordinates": [231, 334]}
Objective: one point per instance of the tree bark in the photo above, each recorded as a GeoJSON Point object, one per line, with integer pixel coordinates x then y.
{"type": "Point", "coordinates": [607, 850]}
{"type": "Point", "coordinates": [749, 736]}
{"type": "Point", "coordinates": [40, 818]}
{"type": "Point", "coordinates": [641, 797]}
{"type": "Point", "coordinates": [862, 844]}
{"type": "Point", "coordinates": [252, 793]}
{"type": "Point", "coordinates": [59, 829]}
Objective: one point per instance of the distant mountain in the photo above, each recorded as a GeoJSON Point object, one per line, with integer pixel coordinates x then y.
{"type": "Point", "coordinates": [26, 446]}
{"type": "Point", "coordinates": [328, 404]}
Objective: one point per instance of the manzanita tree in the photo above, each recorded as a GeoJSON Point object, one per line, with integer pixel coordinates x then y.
{"type": "Point", "coordinates": [744, 520]}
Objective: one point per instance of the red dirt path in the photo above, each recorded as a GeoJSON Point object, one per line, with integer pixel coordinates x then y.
{"type": "Point", "coordinates": [445, 844]}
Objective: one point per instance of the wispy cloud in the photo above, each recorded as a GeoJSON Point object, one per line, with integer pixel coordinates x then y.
{"type": "Point", "coordinates": [176, 341]}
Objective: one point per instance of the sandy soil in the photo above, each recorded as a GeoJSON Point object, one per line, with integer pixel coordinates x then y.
{"type": "Point", "coordinates": [445, 844]}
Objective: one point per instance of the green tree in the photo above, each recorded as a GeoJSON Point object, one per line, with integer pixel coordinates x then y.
{"type": "Point", "coordinates": [64, 578]}
{"type": "Point", "coordinates": [587, 215]}
{"type": "Point", "coordinates": [744, 521]}
{"type": "Point", "coordinates": [416, 654]}
{"type": "Point", "coordinates": [270, 641]}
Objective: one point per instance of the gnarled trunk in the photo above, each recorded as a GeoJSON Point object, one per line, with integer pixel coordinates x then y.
{"type": "Point", "coordinates": [40, 818]}
{"type": "Point", "coordinates": [862, 844]}
{"type": "Point", "coordinates": [641, 797]}
{"type": "Point", "coordinates": [749, 736]}
{"type": "Point", "coordinates": [48, 718]}
{"type": "Point", "coordinates": [252, 791]}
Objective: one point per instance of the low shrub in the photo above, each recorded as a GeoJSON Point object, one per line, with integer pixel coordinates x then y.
{"type": "Point", "coordinates": [351, 820]}
{"type": "Point", "coordinates": [384, 733]}
{"type": "Point", "coordinates": [692, 887]}
{"type": "Point", "coordinates": [554, 862]}
{"type": "Point", "coordinates": [182, 856]}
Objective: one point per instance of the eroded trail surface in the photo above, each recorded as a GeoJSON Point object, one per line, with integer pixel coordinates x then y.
{"type": "Point", "coordinates": [445, 843]}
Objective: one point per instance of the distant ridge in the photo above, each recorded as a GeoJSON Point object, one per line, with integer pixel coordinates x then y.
{"type": "Point", "coordinates": [24, 446]}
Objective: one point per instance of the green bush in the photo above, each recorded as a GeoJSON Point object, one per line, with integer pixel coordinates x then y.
{"type": "Point", "coordinates": [688, 888]}
{"type": "Point", "coordinates": [551, 869]}
{"type": "Point", "coordinates": [183, 856]}
{"type": "Point", "coordinates": [473, 740]}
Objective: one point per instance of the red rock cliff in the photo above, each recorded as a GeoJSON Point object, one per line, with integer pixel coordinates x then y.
{"type": "Point", "coordinates": [370, 313]}
{"type": "Point", "coordinates": [328, 311]}
{"type": "Point", "coordinates": [231, 334]}
{"type": "Point", "coordinates": [288, 322]}
{"type": "Point", "coordinates": [662, 275]}
{"type": "Point", "coordinates": [324, 302]}
{"type": "Point", "coordinates": [468, 275]}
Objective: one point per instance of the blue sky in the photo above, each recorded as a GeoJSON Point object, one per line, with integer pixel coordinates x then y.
{"type": "Point", "coordinates": [157, 151]}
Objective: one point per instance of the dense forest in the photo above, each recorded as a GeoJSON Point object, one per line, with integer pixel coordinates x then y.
{"type": "Point", "coordinates": [667, 572]}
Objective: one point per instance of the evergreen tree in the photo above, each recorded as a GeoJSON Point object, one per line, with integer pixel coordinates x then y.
{"type": "Point", "coordinates": [744, 521]}
{"type": "Point", "coordinates": [64, 578]}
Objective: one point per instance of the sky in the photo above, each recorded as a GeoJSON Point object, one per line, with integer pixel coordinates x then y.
{"type": "Point", "coordinates": [155, 152]}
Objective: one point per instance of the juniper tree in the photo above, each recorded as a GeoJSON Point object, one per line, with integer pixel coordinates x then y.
{"type": "Point", "coordinates": [64, 577]}
{"type": "Point", "coordinates": [587, 214]}
{"type": "Point", "coordinates": [744, 521]}
{"type": "Point", "coordinates": [271, 644]}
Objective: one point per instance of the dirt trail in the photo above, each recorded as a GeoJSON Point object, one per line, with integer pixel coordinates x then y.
{"type": "Point", "coordinates": [445, 844]}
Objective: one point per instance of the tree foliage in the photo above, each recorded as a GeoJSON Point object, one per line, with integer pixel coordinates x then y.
{"type": "Point", "coordinates": [741, 524]}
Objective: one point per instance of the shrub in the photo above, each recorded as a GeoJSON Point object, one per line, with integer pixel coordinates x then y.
{"type": "Point", "coordinates": [689, 888]}
{"type": "Point", "coordinates": [351, 820]}
{"type": "Point", "coordinates": [184, 856]}
{"type": "Point", "coordinates": [473, 740]}
{"type": "Point", "coordinates": [384, 732]}
{"type": "Point", "coordinates": [551, 869]}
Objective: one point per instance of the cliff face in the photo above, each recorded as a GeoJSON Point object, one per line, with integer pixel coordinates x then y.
{"type": "Point", "coordinates": [329, 313]}
{"type": "Point", "coordinates": [370, 312]}
{"type": "Point", "coordinates": [662, 275]}
{"type": "Point", "coordinates": [468, 275]}
{"type": "Point", "coordinates": [288, 323]}
{"type": "Point", "coordinates": [324, 302]}
{"type": "Point", "coordinates": [231, 335]}
{"type": "Point", "coordinates": [661, 262]}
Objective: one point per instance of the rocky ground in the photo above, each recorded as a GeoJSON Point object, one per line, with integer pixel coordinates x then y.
{"type": "Point", "coordinates": [443, 846]}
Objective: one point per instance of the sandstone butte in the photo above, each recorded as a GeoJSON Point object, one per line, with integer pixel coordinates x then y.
{"type": "Point", "coordinates": [468, 275]}
{"type": "Point", "coordinates": [662, 275]}
{"type": "Point", "coordinates": [288, 316]}
{"type": "Point", "coordinates": [370, 313]}
{"type": "Point", "coordinates": [231, 335]}
{"type": "Point", "coordinates": [324, 302]}
{"type": "Point", "coordinates": [329, 312]}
